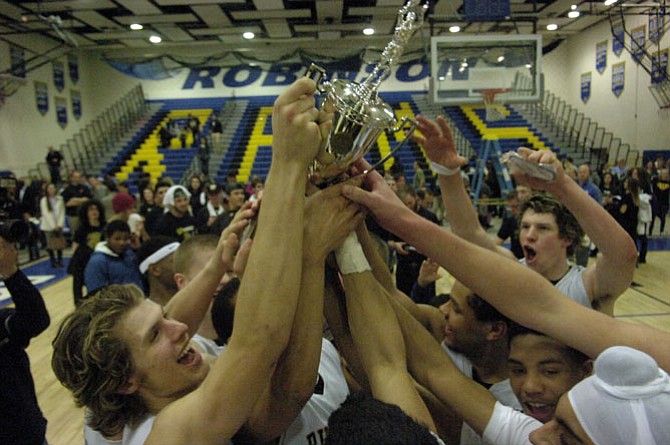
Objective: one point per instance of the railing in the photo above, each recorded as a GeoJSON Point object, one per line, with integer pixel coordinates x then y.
{"type": "Point", "coordinates": [99, 137]}
{"type": "Point", "coordinates": [583, 135]}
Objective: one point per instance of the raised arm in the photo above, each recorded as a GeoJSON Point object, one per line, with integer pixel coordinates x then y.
{"type": "Point", "coordinates": [516, 291]}
{"type": "Point", "coordinates": [377, 336]}
{"type": "Point", "coordinates": [29, 317]}
{"type": "Point", "coordinates": [438, 143]}
{"type": "Point", "coordinates": [268, 295]}
{"type": "Point", "coordinates": [329, 218]}
{"type": "Point", "coordinates": [612, 272]}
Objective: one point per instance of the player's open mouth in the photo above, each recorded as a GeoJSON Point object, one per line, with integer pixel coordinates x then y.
{"type": "Point", "coordinates": [529, 253]}
{"type": "Point", "coordinates": [540, 411]}
{"type": "Point", "coordinates": [188, 356]}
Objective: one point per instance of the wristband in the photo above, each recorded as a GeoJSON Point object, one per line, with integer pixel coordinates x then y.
{"type": "Point", "coordinates": [442, 170]}
{"type": "Point", "coordinates": [350, 256]}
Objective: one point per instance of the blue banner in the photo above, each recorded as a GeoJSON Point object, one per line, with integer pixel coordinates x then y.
{"type": "Point", "coordinates": [59, 75]}
{"type": "Point", "coordinates": [601, 56]}
{"type": "Point", "coordinates": [42, 97]}
{"type": "Point", "coordinates": [586, 86]}
{"type": "Point", "coordinates": [75, 98]}
{"type": "Point", "coordinates": [73, 68]}
{"type": "Point", "coordinates": [17, 56]}
{"type": "Point", "coordinates": [618, 78]}
{"type": "Point", "coordinates": [659, 66]}
{"type": "Point", "coordinates": [618, 39]}
{"type": "Point", "coordinates": [637, 43]}
{"type": "Point", "coordinates": [61, 111]}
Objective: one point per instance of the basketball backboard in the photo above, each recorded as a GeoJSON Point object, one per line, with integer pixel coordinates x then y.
{"type": "Point", "coordinates": [462, 66]}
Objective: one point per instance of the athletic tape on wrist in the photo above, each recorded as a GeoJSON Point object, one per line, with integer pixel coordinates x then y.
{"type": "Point", "coordinates": [442, 170]}
{"type": "Point", "coordinates": [350, 256]}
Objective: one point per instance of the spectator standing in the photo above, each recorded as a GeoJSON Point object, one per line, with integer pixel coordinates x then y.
{"type": "Point", "coordinates": [85, 239]}
{"type": "Point", "coordinates": [75, 194]}
{"type": "Point", "coordinates": [54, 159]}
{"type": "Point", "coordinates": [52, 222]}
{"type": "Point", "coordinates": [661, 201]}
{"type": "Point", "coordinates": [194, 126]}
{"type": "Point", "coordinates": [216, 128]}
{"type": "Point", "coordinates": [419, 176]}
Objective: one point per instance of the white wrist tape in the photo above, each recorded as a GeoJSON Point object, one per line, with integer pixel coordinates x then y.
{"type": "Point", "coordinates": [442, 170]}
{"type": "Point", "coordinates": [350, 257]}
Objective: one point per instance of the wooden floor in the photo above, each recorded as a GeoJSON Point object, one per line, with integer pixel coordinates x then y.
{"type": "Point", "coordinates": [647, 302]}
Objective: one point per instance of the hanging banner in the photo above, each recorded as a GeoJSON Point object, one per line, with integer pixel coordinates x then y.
{"type": "Point", "coordinates": [618, 39]}
{"type": "Point", "coordinates": [618, 78]}
{"type": "Point", "coordinates": [586, 86]}
{"type": "Point", "coordinates": [601, 56]}
{"type": "Point", "coordinates": [61, 111]}
{"type": "Point", "coordinates": [656, 27]}
{"type": "Point", "coordinates": [75, 99]}
{"type": "Point", "coordinates": [17, 56]}
{"type": "Point", "coordinates": [42, 97]}
{"type": "Point", "coordinates": [659, 66]}
{"type": "Point", "coordinates": [59, 75]}
{"type": "Point", "coordinates": [73, 68]}
{"type": "Point", "coordinates": [637, 42]}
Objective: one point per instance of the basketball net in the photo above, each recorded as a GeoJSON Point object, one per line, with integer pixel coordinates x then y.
{"type": "Point", "coordinates": [494, 103]}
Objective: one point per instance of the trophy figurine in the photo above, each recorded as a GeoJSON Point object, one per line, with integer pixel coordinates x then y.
{"type": "Point", "coordinates": [360, 114]}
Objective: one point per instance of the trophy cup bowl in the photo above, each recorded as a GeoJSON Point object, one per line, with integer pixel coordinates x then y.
{"type": "Point", "coordinates": [357, 124]}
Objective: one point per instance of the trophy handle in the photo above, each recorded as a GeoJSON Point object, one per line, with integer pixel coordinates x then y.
{"type": "Point", "coordinates": [317, 74]}
{"type": "Point", "coordinates": [411, 126]}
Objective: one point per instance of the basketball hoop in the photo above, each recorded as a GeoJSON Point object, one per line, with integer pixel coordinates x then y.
{"type": "Point", "coordinates": [494, 103]}
{"type": "Point", "coordinates": [9, 85]}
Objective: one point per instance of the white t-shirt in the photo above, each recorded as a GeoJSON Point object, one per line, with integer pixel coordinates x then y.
{"type": "Point", "coordinates": [509, 427]}
{"type": "Point", "coordinates": [572, 284]}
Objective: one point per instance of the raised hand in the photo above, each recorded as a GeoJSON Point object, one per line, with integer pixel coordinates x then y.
{"type": "Point", "coordinates": [546, 157]}
{"type": "Point", "coordinates": [437, 141]}
{"type": "Point", "coordinates": [329, 218]}
{"type": "Point", "coordinates": [296, 128]}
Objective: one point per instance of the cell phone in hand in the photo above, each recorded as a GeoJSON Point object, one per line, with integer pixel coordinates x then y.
{"type": "Point", "coordinates": [517, 164]}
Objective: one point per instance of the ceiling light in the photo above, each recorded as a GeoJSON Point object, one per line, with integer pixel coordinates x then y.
{"type": "Point", "coordinates": [501, 58]}
{"type": "Point", "coordinates": [464, 64]}
{"type": "Point", "coordinates": [368, 31]}
{"type": "Point", "coordinates": [573, 7]}
{"type": "Point", "coordinates": [552, 27]}
{"type": "Point", "coordinates": [440, 78]}
{"type": "Point", "coordinates": [529, 65]}
{"type": "Point", "coordinates": [248, 35]}
{"type": "Point", "coordinates": [136, 26]}
{"type": "Point", "coordinates": [454, 28]}
{"type": "Point", "coordinates": [573, 14]}
{"type": "Point", "coordinates": [610, 2]}
{"type": "Point", "coordinates": [155, 39]}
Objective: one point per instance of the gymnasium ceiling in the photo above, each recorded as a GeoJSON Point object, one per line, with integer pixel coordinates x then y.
{"type": "Point", "coordinates": [328, 27]}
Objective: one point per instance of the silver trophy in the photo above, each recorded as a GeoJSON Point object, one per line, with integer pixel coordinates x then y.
{"type": "Point", "coordinates": [360, 114]}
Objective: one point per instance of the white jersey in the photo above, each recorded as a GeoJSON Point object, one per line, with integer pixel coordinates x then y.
{"type": "Point", "coordinates": [502, 391]}
{"type": "Point", "coordinates": [311, 425]}
{"type": "Point", "coordinates": [509, 427]}
{"type": "Point", "coordinates": [92, 437]}
{"type": "Point", "coordinates": [572, 284]}
{"type": "Point", "coordinates": [207, 346]}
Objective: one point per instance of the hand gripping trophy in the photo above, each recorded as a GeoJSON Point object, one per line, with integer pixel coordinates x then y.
{"type": "Point", "coordinates": [360, 114]}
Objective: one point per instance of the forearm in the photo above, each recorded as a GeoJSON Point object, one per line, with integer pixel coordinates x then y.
{"type": "Point", "coordinates": [379, 267]}
{"type": "Point", "coordinates": [272, 279]}
{"type": "Point", "coordinates": [293, 381]}
{"type": "Point", "coordinates": [191, 303]}
{"type": "Point", "coordinates": [461, 213]}
{"type": "Point", "coordinates": [31, 317]}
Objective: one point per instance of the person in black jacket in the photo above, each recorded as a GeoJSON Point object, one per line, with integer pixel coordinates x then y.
{"type": "Point", "coordinates": [21, 420]}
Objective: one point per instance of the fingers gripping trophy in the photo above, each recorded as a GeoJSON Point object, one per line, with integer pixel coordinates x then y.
{"type": "Point", "coordinates": [360, 115]}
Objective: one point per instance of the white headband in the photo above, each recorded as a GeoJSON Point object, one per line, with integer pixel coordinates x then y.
{"type": "Point", "coordinates": [158, 255]}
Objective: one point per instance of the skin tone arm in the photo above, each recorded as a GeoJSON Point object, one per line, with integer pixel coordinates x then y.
{"type": "Point", "coordinates": [612, 272]}
{"type": "Point", "coordinates": [264, 313]}
{"type": "Point", "coordinates": [381, 348]}
{"type": "Point", "coordinates": [516, 291]}
{"type": "Point", "coordinates": [430, 317]}
{"type": "Point", "coordinates": [438, 143]}
{"type": "Point", "coordinates": [329, 218]}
